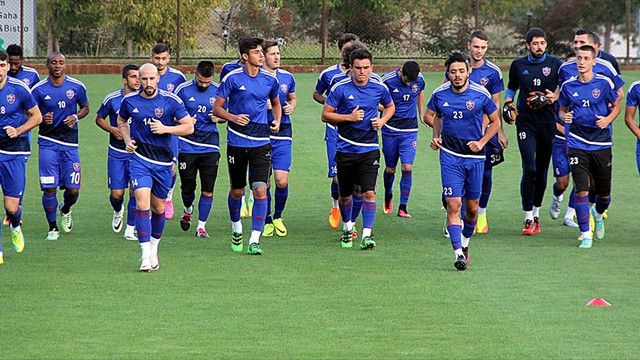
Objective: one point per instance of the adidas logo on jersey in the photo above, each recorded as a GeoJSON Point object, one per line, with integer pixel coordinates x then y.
{"type": "Point", "coordinates": [242, 88]}
{"type": "Point", "coordinates": [192, 99]}
{"type": "Point", "coordinates": [376, 163]}
{"type": "Point", "coordinates": [47, 97]}
{"type": "Point", "coordinates": [396, 90]}
{"type": "Point", "coordinates": [350, 97]}
{"type": "Point", "coordinates": [445, 104]}
{"type": "Point", "coordinates": [525, 72]}
{"type": "Point", "coordinates": [135, 111]}
{"type": "Point", "coordinates": [575, 94]}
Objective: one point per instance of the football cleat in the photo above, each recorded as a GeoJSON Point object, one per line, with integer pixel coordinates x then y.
{"type": "Point", "coordinates": [367, 243]}
{"type": "Point", "coordinates": [592, 220]}
{"type": "Point", "coordinates": [67, 221]}
{"type": "Point", "coordinates": [482, 226]}
{"type": "Point", "coordinates": [465, 252]}
{"type": "Point", "coordinates": [586, 243]}
{"type": "Point", "coordinates": [53, 235]}
{"type": "Point", "coordinates": [145, 266]}
{"type": "Point", "coordinates": [281, 230]}
{"type": "Point", "coordinates": [1, 258]}
{"type": "Point", "coordinates": [250, 202]}
{"type": "Point", "coordinates": [202, 233]}
{"type": "Point", "coordinates": [388, 204]}
{"type": "Point", "coordinates": [168, 210]}
{"type": "Point", "coordinates": [254, 249]}
{"type": "Point", "coordinates": [334, 218]}
{"type": "Point", "coordinates": [116, 223]}
{"type": "Point", "coordinates": [268, 230]}
{"type": "Point", "coordinates": [605, 215]}
{"type": "Point", "coordinates": [554, 209]}
{"type": "Point", "coordinates": [528, 228]}
{"type": "Point", "coordinates": [445, 228]}
{"type": "Point", "coordinates": [244, 212]}
{"type": "Point", "coordinates": [130, 234]}
{"type": "Point", "coordinates": [599, 229]}
{"type": "Point", "coordinates": [17, 238]}
{"type": "Point", "coordinates": [185, 221]}
{"type": "Point", "coordinates": [6, 221]}
{"type": "Point", "coordinates": [461, 263]}
{"type": "Point", "coordinates": [346, 240]}
{"type": "Point", "coordinates": [403, 214]}
{"type": "Point", "coordinates": [236, 242]}
{"type": "Point", "coordinates": [536, 225]}
{"type": "Point", "coordinates": [155, 265]}
{"type": "Point", "coordinates": [354, 233]}
{"type": "Point", "coordinates": [569, 222]}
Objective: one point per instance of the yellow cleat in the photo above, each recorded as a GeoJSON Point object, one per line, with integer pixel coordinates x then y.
{"type": "Point", "coordinates": [268, 230]}
{"type": "Point", "coordinates": [17, 238]}
{"type": "Point", "coordinates": [606, 214]}
{"type": "Point", "coordinates": [281, 230]}
{"type": "Point", "coordinates": [1, 258]}
{"type": "Point", "coordinates": [482, 226]}
{"type": "Point", "coordinates": [334, 218]}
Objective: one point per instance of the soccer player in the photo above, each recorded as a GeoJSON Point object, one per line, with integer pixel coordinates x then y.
{"type": "Point", "coordinates": [199, 152]}
{"type": "Point", "coordinates": [633, 101]}
{"type": "Point", "coordinates": [588, 104]}
{"type": "Point", "coordinates": [147, 122]}
{"type": "Point", "coordinates": [18, 70]}
{"type": "Point", "coordinates": [352, 105]}
{"type": "Point", "coordinates": [118, 157]}
{"type": "Point", "coordinates": [15, 101]}
{"type": "Point", "coordinates": [280, 141]}
{"type": "Point", "coordinates": [62, 101]}
{"type": "Point", "coordinates": [535, 124]}
{"type": "Point", "coordinates": [456, 110]}
{"type": "Point", "coordinates": [400, 133]}
{"type": "Point", "coordinates": [331, 134]}
{"type": "Point", "coordinates": [248, 90]}
{"type": "Point", "coordinates": [169, 81]}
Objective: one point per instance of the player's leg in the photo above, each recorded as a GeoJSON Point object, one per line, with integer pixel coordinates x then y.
{"type": "Point", "coordinates": [70, 180]}
{"type": "Point", "coordinates": [49, 170]}
{"type": "Point", "coordinates": [237, 162]}
{"type": "Point", "coordinates": [12, 178]}
{"type": "Point", "coordinates": [259, 169]}
{"type": "Point", "coordinates": [330, 139]}
{"type": "Point", "coordinates": [169, 210]}
{"type": "Point", "coordinates": [118, 181]}
{"type": "Point", "coordinates": [158, 199]}
{"type": "Point", "coordinates": [580, 165]}
{"type": "Point", "coordinates": [561, 171]}
{"type": "Point", "coordinates": [368, 166]}
{"type": "Point", "coordinates": [527, 144]}
{"type": "Point", "coordinates": [281, 194]}
{"type": "Point", "coordinates": [188, 169]}
{"type": "Point", "coordinates": [494, 155]}
{"type": "Point", "coordinates": [453, 177]}
{"type": "Point", "coordinates": [390, 149]}
{"type": "Point", "coordinates": [208, 169]}
{"type": "Point", "coordinates": [347, 175]}
{"type": "Point", "coordinates": [602, 180]}
{"type": "Point", "coordinates": [141, 181]}
{"type": "Point", "coordinates": [545, 135]}
{"type": "Point", "coordinates": [473, 183]}
{"type": "Point", "coordinates": [407, 151]}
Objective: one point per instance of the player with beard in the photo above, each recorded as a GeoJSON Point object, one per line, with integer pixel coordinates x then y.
{"type": "Point", "coordinates": [18, 70]}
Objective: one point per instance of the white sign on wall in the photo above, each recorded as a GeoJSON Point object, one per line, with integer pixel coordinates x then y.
{"type": "Point", "coordinates": [10, 25]}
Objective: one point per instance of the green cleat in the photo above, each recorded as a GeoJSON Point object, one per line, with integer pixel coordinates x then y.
{"type": "Point", "coordinates": [599, 228]}
{"type": "Point", "coordinates": [268, 230]}
{"type": "Point", "coordinates": [586, 243]}
{"type": "Point", "coordinates": [281, 230]}
{"type": "Point", "coordinates": [367, 243]}
{"type": "Point", "coordinates": [17, 238]}
{"type": "Point", "coordinates": [53, 235]}
{"type": "Point", "coordinates": [346, 241]}
{"type": "Point", "coordinates": [254, 249]}
{"type": "Point", "coordinates": [236, 242]}
{"type": "Point", "coordinates": [67, 221]}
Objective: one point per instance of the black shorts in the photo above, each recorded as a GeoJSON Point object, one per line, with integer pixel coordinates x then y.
{"type": "Point", "coordinates": [258, 160]}
{"type": "Point", "coordinates": [596, 163]}
{"type": "Point", "coordinates": [206, 163]}
{"type": "Point", "coordinates": [357, 169]}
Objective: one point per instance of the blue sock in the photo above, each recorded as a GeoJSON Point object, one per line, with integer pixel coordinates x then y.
{"type": "Point", "coordinates": [187, 200]}
{"type": "Point", "coordinates": [15, 218]}
{"type": "Point", "coordinates": [50, 205]}
{"type": "Point", "coordinates": [601, 205]}
{"type": "Point", "coordinates": [259, 213]}
{"type": "Point", "coordinates": [335, 193]}
{"type": "Point", "coordinates": [157, 224]}
{"type": "Point", "coordinates": [556, 192]}
{"type": "Point", "coordinates": [234, 208]}
{"type": "Point", "coordinates": [116, 204]}
{"type": "Point", "coordinates": [572, 200]}
{"type": "Point", "coordinates": [346, 210]}
{"type": "Point", "coordinates": [143, 225]}
{"type": "Point", "coordinates": [268, 218]}
{"type": "Point", "coordinates": [68, 202]}
{"type": "Point", "coordinates": [131, 211]}
{"type": "Point", "coordinates": [582, 212]}
{"type": "Point", "coordinates": [204, 207]}
{"type": "Point", "coordinates": [281, 195]}
{"type": "Point", "coordinates": [388, 182]}
{"type": "Point", "coordinates": [368, 214]}
{"type": "Point", "coordinates": [469, 226]}
{"type": "Point", "coordinates": [455, 233]}
{"type": "Point", "coordinates": [405, 186]}
{"type": "Point", "coordinates": [357, 205]}
{"type": "Point", "coordinates": [487, 184]}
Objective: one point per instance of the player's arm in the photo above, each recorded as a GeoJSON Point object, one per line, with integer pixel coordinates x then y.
{"type": "Point", "coordinates": [629, 115]}
{"type": "Point", "coordinates": [560, 129]}
{"type": "Point", "coordinates": [421, 105]}
{"type": "Point", "coordinates": [603, 121]}
{"type": "Point", "coordinates": [219, 111]}
{"type": "Point", "coordinates": [184, 127]}
{"type": "Point", "coordinates": [71, 120]}
{"type": "Point", "coordinates": [492, 130]}
{"type": "Point", "coordinates": [123, 126]}
{"type": "Point", "coordinates": [329, 115]}
{"type": "Point", "coordinates": [276, 110]}
{"type": "Point", "coordinates": [319, 98]}
{"type": "Point", "coordinates": [387, 113]}
{"type": "Point", "coordinates": [435, 120]}
{"type": "Point", "coordinates": [104, 125]}
{"type": "Point", "coordinates": [565, 115]}
{"type": "Point", "coordinates": [290, 104]}
{"type": "Point", "coordinates": [502, 137]}
{"type": "Point", "coordinates": [34, 118]}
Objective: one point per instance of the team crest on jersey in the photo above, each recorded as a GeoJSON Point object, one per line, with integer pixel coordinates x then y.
{"type": "Point", "coordinates": [26, 81]}
{"type": "Point", "coordinates": [546, 71]}
{"type": "Point", "coordinates": [212, 101]}
{"type": "Point", "coordinates": [70, 93]}
{"type": "Point", "coordinates": [76, 166]}
{"type": "Point", "coordinates": [170, 87]}
{"type": "Point", "coordinates": [414, 88]}
{"type": "Point", "coordinates": [284, 88]}
{"type": "Point", "coordinates": [471, 104]}
{"type": "Point", "coordinates": [159, 112]}
{"type": "Point", "coordinates": [595, 93]}
{"type": "Point", "coordinates": [11, 98]}
{"type": "Point", "coordinates": [484, 81]}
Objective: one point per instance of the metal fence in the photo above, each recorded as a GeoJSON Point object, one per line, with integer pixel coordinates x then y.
{"type": "Point", "coordinates": [109, 30]}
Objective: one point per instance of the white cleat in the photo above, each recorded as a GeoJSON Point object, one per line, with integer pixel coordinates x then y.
{"type": "Point", "coordinates": [155, 265]}
{"type": "Point", "coordinates": [53, 235]}
{"type": "Point", "coordinates": [554, 209]}
{"type": "Point", "coordinates": [570, 223]}
{"type": "Point", "coordinates": [146, 264]}
{"type": "Point", "coordinates": [116, 223]}
{"type": "Point", "coordinates": [67, 222]}
{"type": "Point", "coordinates": [130, 234]}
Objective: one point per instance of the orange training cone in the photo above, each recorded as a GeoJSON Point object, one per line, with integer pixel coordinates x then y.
{"type": "Point", "coordinates": [598, 302]}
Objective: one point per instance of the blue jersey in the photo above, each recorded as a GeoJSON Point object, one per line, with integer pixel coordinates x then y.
{"type": "Point", "coordinates": [603, 67]}
{"type": "Point", "coordinates": [324, 80]}
{"type": "Point", "coordinates": [229, 67]}
{"type": "Point", "coordinates": [287, 86]}
{"type": "Point", "coordinates": [462, 117]}
{"type": "Point", "coordinates": [15, 99]}
{"type": "Point", "coordinates": [587, 100]}
{"type": "Point", "coordinates": [109, 108]}
{"type": "Point", "coordinates": [165, 106]}
{"type": "Point", "coordinates": [171, 79]}
{"type": "Point", "coordinates": [62, 101]}
{"type": "Point", "coordinates": [405, 97]}
{"type": "Point", "coordinates": [633, 97]}
{"type": "Point", "coordinates": [27, 75]}
{"type": "Point", "coordinates": [205, 137]}
{"type": "Point", "coordinates": [249, 95]}
{"type": "Point", "coordinates": [358, 137]}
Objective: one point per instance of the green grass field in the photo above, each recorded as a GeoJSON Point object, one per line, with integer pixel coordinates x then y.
{"type": "Point", "coordinates": [83, 297]}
